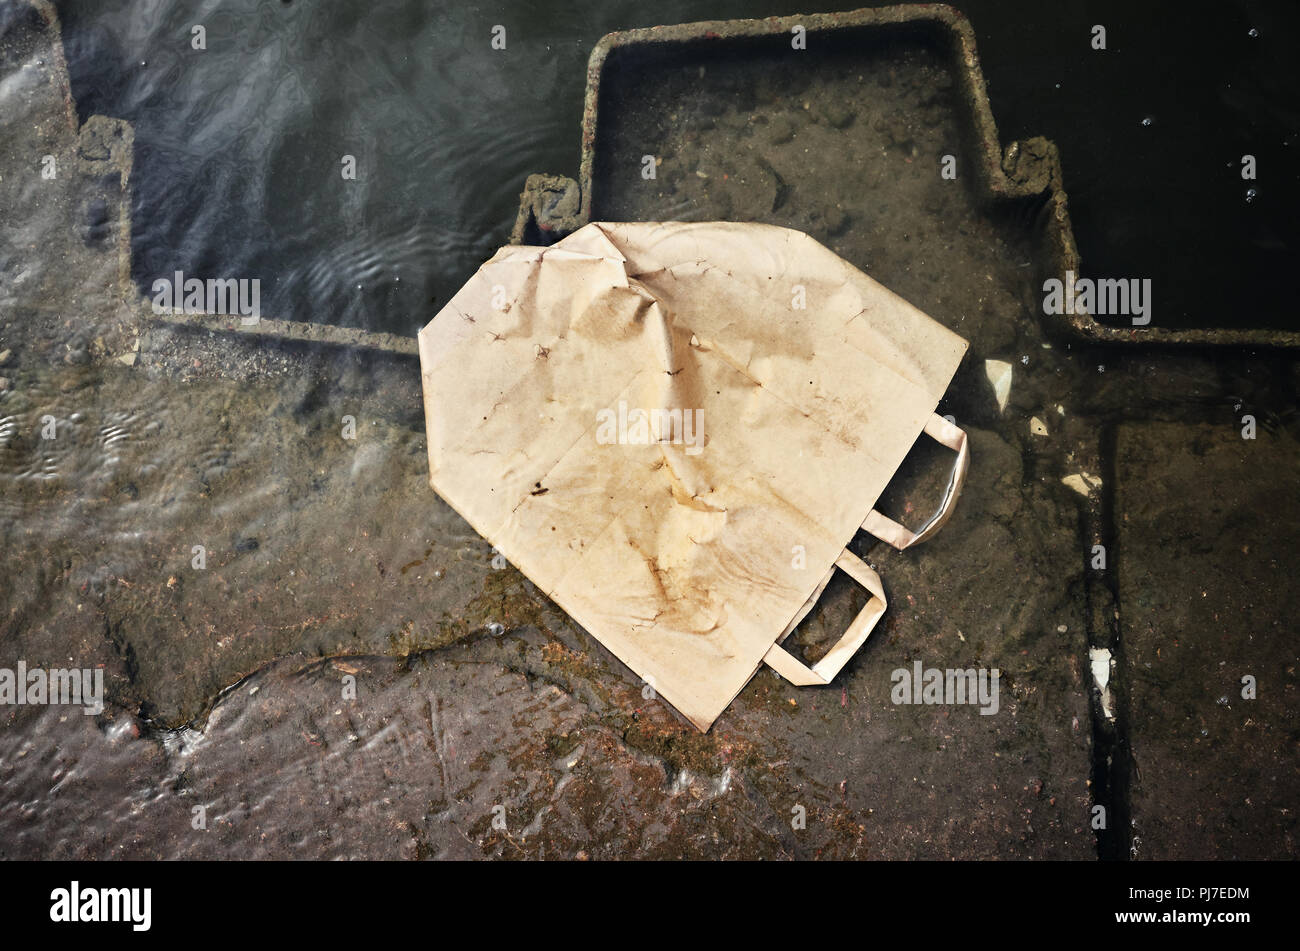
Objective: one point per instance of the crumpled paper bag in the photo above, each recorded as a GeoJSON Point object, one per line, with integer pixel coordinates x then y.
{"type": "Point", "coordinates": [674, 430]}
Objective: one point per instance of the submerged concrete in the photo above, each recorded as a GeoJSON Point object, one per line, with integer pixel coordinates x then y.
{"type": "Point", "coordinates": [352, 672]}
{"type": "Point", "coordinates": [1208, 524]}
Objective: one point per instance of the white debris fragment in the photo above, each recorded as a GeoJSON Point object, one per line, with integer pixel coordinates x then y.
{"type": "Point", "coordinates": [1100, 661]}
{"type": "Point", "coordinates": [1083, 483]}
{"type": "Point", "coordinates": [1037, 427]}
{"type": "Point", "coordinates": [1099, 658]}
{"type": "Point", "coordinates": [999, 374]}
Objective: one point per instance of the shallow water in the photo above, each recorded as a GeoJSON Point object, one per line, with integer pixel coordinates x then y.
{"type": "Point", "coordinates": [239, 146]}
{"type": "Point", "coordinates": [328, 557]}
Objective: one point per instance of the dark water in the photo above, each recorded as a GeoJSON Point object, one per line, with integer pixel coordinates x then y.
{"type": "Point", "coordinates": [239, 146]}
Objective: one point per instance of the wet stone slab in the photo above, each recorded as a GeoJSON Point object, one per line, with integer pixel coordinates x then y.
{"type": "Point", "coordinates": [1207, 597]}
{"type": "Point", "coordinates": [186, 540]}
{"type": "Point", "coordinates": [446, 755]}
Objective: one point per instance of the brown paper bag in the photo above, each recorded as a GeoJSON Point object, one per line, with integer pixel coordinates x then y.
{"type": "Point", "coordinates": [675, 429]}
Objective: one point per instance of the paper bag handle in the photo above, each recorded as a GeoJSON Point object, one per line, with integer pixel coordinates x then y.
{"type": "Point", "coordinates": [824, 671]}
{"type": "Point", "coordinates": [889, 531]}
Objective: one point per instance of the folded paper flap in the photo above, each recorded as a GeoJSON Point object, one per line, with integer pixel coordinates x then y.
{"type": "Point", "coordinates": [675, 429]}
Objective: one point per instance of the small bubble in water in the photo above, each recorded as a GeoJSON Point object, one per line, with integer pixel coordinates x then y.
{"type": "Point", "coordinates": [1252, 33]}
{"type": "Point", "coordinates": [1147, 120]}
{"type": "Point", "coordinates": [143, 63]}
{"type": "Point", "coordinates": [1025, 359]}
{"type": "Point", "coordinates": [1101, 368]}
{"type": "Point", "coordinates": [1205, 733]}
{"type": "Point", "coordinates": [1223, 701]}
{"type": "Point", "coordinates": [497, 628]}
{"type": "Point", "coordinates": [1250, 194]}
